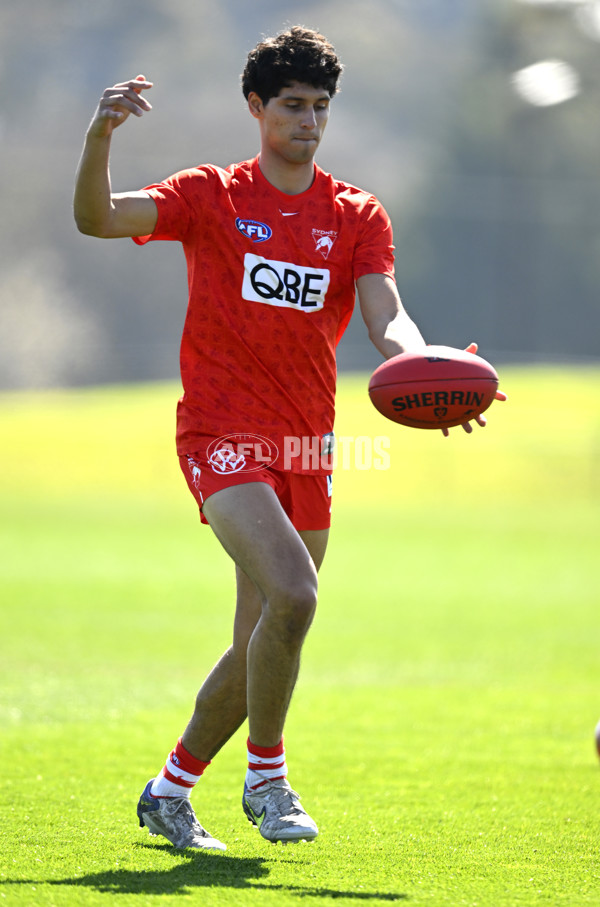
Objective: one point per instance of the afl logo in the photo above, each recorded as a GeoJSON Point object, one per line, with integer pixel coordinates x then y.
{"type": "Point", "coordinates": [241, 452]}
{"type": "Point", "coordinates": [253, 229]}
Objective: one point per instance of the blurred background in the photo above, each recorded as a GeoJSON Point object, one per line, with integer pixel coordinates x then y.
{"type": "Point", "coordinates": [474, 121]}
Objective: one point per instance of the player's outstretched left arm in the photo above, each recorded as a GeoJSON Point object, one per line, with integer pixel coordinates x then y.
{"type": "Point", "coordinates": [392, 330]}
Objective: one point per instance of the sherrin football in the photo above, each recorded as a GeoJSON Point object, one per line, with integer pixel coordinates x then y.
{"type": "Point", "coordinates": [437, 387]}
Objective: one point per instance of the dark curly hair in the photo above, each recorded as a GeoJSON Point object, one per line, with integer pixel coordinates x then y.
{"type": "Point", "coordinates": [297, 55]}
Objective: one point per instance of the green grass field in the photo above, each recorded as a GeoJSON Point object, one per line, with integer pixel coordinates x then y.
{"type": "Point", "coordinates": [442, 729]}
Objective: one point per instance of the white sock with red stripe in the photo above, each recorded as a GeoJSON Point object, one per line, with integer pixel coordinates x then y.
{"type": "Point", "coordinates": [181, 772]}
{"type": "Point", "coordinates": [265, 763]}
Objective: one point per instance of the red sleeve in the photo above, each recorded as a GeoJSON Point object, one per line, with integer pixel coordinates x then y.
{"type": "Point", "coordinates": [374, 252]}
{"type": "Point", "coordinates": [178, 200]}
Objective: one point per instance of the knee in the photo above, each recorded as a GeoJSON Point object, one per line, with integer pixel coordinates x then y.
{"type": "Point", "coordinates": [294, 605]}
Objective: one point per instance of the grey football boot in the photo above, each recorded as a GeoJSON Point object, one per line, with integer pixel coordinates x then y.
{"type": "Point", "coordinates": [276, 811]}
{"type": "Point", "coordinates": [175, 819]}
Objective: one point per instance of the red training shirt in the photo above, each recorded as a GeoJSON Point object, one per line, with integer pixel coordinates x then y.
{"type": "Point", "coordinates": [271, 291]}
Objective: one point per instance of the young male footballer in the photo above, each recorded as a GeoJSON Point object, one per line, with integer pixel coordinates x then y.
{"type": "Point", "coordinates": [275, 250]}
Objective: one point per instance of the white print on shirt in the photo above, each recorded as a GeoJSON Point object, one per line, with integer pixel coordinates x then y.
{"type": "Point", "coordinates": [284, 284]}
{"type": "Point", "coordinates": [324, 241]}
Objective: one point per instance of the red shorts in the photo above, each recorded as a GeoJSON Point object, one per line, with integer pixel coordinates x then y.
{"type": "Point", "coordinates": [306, 499]}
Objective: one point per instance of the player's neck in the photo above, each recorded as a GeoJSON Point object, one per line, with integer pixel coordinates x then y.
{"type": "Point", "coordinates": [288, 177]}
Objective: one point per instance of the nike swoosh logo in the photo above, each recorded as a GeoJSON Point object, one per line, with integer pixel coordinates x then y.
{"type": "Point", "coordinates": [258, 817]}
{"type": "Point", "coordinates": [288, 213]}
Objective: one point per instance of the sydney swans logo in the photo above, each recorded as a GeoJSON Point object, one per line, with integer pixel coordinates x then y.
{"type": "Point", "coordinates": [324, 240]}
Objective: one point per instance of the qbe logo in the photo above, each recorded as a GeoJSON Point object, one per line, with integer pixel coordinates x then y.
{"type": "Point", "coordinates": [284, 284]}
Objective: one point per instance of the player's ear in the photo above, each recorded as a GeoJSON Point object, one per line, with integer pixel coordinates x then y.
{"type": "Point", "coordinates": [255, 105]}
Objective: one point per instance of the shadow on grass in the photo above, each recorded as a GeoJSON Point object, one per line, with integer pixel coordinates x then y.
{"type": "Point", "coordinates": [203, 870]}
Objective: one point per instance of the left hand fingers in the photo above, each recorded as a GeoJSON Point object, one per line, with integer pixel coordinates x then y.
{"type": "Point", "coordinates": [467, 426]}
{"type": "Point", "coordinates": [480, 419]}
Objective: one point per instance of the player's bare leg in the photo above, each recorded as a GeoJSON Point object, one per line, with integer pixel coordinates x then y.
{"type": "Point", "coordinates": [253, 528]}
{"type": "Point", "coordinates": [221, 704]}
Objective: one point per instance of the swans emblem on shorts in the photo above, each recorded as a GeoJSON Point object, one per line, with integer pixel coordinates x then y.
{"type": "Point", "coordinates": [225, 459]}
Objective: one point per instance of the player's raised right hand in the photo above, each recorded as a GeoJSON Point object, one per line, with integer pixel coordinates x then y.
{"type": "Point", "coordinates": [117, 103]}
